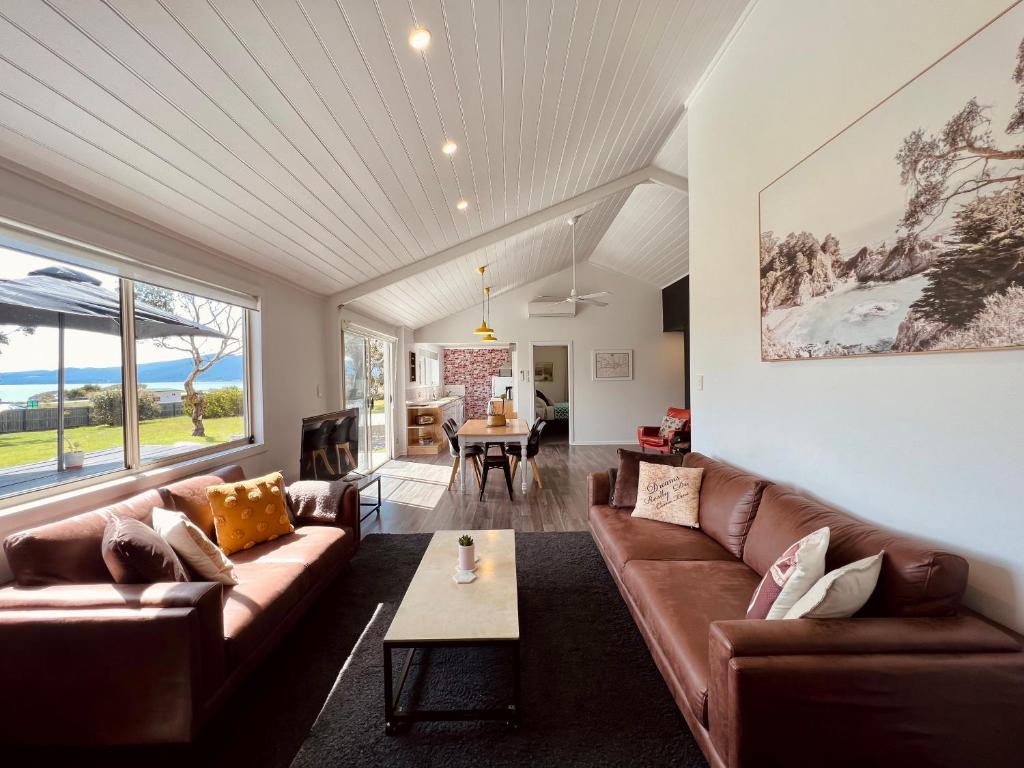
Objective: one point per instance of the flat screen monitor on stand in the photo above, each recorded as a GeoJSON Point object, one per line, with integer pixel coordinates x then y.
{"type": "Point", "coordinates": [330, 445]}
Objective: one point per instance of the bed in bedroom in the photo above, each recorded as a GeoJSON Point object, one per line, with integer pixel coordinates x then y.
{"type": "Point", "coordinates": [545, 409]}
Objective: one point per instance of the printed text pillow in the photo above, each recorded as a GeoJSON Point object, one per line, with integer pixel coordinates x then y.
{"type": "Point", "coordinates": [669, 494]}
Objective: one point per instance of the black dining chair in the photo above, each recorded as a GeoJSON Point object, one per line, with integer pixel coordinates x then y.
{"type": "Point", "coordinates": [473, 454]}
{"type": "Point", "coordinates": [532, 449]}
{"type": "Point", "coordinates": [496, 461]}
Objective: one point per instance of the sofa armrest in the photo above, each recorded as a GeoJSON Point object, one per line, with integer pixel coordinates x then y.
{"type": "Point", "coordinates": [598, 490]}
{"type": "Point", "coordinates": [308, 509]}
{"type": "Point", "coordinates": [106, 664]}
{"type": "Point", "coordinates": [919, 691]}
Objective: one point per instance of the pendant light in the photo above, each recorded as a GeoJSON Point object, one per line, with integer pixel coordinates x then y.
{"type": "Point", "coordinates": [487, 300]}
{"type": "Point", "coordinates": [484, 329]}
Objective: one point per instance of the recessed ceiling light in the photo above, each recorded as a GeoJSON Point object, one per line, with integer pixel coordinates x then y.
{"type": "Point", "coordinates": [419, 38]}
{"type": "Point", "coordinates": [462, 205]}
{"type": "Point", "coordinates": [449, 147]}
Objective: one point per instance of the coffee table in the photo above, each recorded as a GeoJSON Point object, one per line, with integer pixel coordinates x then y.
{"type": "Point", "coordinates": [438, 613]}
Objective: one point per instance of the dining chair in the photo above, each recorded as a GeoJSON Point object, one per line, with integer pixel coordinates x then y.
{"type": "Point", "coordinates": [532, 449]}
{"type": "Point", "coordinates": [473, 453]}
{"type": "Point", "coordinates": [496, 461]}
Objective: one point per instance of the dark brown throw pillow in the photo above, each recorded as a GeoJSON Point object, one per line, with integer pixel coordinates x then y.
{"type": "Point", "coordinates": [136, 554]}
{"type": "Point", "coordinates": [628, 476]}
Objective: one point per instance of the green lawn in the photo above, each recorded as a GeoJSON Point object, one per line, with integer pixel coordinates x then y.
{"type": "Point", "coordinates": [27, 447]}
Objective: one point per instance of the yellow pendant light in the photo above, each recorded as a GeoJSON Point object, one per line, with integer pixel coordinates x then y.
{"type": "Point", "coordinates": [484, 329]}
{"type": "Point", "coordinates": [487, 296]}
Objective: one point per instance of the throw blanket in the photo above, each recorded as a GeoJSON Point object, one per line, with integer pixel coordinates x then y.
{"type": "Point", "coordinates": [315, 501]}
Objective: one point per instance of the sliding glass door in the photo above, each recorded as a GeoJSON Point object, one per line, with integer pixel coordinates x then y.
{"type": "Point", "coordinates": [368, 361]}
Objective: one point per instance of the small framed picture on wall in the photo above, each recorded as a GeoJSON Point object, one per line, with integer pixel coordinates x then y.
{"type": "Point", "coordinates": [611, 364]}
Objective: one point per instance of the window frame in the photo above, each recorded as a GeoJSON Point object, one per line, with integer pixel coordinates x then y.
{"type": "Point", "coordinates": [76, 255]}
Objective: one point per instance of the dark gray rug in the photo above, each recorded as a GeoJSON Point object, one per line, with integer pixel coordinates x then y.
{"type": "Point", "coordinates": [591, 694]}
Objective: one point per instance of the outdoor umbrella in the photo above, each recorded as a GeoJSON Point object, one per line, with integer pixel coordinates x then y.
{"type": "Point", "coordinates": [62, 298]}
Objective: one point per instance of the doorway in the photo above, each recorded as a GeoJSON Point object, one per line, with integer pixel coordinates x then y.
{"type": "Point", "coordinates": [368, 366]}
{"type": "Point", "coordinates": [552, 388]}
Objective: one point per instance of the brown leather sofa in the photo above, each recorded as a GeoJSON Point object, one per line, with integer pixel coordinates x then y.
{"type": "Point", "coordinates": [87, 661]}
{"type": "Point", "coordinates": [913, 680]}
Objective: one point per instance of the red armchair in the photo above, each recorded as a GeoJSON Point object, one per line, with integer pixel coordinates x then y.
{"type": "Point", "coordinates": [651, 437]}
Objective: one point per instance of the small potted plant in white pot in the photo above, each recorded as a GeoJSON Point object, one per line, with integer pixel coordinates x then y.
{"type": "Point", "coordinates": [74, 456]}
{"type": "Point", "coordinates": [467, 553]}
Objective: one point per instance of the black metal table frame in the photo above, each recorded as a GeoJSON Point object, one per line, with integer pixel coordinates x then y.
{"type": "Point", "coordinates": [395, 716]}
{"type": "Point", "coordinates": [374, 507]}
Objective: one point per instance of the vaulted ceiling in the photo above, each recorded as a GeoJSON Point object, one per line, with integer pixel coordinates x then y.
{"type": "Point", "coordinates": [304, 137]}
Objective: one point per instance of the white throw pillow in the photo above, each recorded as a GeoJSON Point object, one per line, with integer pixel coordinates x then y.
{"type": "Point", "coordinates": [839, 594]}
{"type": "Point", "coordinates": [669, 494]}
{"type": "Point", "coordinates": [790, 577]}
{"type": "Point", "coordinates": [193, 546]}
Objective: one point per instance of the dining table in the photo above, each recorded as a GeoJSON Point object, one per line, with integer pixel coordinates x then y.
{"type": "Point", "coordinates": [477, 432]}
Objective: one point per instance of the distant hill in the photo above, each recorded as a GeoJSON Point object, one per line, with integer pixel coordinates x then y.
{"type": "Point", "coordinates": [228, 369]}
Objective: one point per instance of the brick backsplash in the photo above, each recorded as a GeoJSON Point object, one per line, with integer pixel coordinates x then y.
{"type": "Point", "coordinates": [473, 368]}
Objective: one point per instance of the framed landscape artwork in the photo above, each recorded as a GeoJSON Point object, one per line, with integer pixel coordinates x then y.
{"type": "Point", "coordinates": [544, 372]}
{"type": "Point", "coordinates": [611, 364]}
{"type": "Point", "coordinates": [905, 232]}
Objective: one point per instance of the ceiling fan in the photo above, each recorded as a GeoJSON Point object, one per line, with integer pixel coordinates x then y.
{"type": "Point", "coordinates": [573, 297]}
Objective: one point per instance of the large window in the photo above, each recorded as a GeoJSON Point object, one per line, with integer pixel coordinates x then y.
{"type": "Point", "coordinates": [66, 363]}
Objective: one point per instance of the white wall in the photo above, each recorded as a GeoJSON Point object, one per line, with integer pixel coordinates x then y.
{"type": "Point", "coordinates": [929, 444]}
{"type": "Point", "coordinates": [292, 366]}
{"type": "Point", "coordinates": [556, 390]}
{"type": "Point", "coordinates": [603, 412]}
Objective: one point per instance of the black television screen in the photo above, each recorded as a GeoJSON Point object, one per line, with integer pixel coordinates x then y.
{"type": "Point", "coordinates": [330, 445]}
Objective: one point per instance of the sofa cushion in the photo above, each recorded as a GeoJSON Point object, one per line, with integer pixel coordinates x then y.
{"type": "Point", "coordinates": [728, 501]}
{"type": "Point", "coordinates": [200, 555]}
{"type": "Point", "coordinates": [68, 551]}
{"type": "Point", "coordinates": [319, 548]}
{"type": "Point", "coordinates": [623, 537]}
{"type": "Point", "coordinates": [916, 579]}
{"type": "Point", "coordinates": [249, 512]}
{"type": "Point", "coordinates": [189, 495]}
{"type": "Point", "coordinates": [136, 554]}
{"type": "Point", "coordinates": [669, 494]}
{"type": "Point", "coordinates": [264, 596]}
{"type": "Point", "coordinates": [628, 475]}
{"type": "Point", "coordinates": [677, 603]}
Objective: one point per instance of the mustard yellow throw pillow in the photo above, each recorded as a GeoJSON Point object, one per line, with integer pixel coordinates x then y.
{"type": "Point", "coordinates": [249, 512]}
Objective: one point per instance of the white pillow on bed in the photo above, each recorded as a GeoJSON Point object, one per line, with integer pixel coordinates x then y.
{"type": "Point", "coordinates": [538, 403]}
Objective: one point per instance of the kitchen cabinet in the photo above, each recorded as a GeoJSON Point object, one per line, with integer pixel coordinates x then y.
{"type": "Point", "coordinates": [430, 439]}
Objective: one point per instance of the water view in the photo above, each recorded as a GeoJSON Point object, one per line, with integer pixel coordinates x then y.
{"type": "Point", "coordinates": [20, 393]}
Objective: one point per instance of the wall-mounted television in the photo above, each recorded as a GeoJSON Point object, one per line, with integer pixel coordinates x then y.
{"type": "Point", "coordinates": [330, 445]}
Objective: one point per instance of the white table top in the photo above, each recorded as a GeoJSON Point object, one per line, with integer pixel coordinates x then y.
{"type": "Point", "coordinates": [435, 608]}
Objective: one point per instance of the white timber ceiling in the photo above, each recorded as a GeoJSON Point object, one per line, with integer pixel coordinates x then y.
{"type": "Point", "coordinates": [649, 239]}
{"type": "Point", "coordinates": [672, 155]}
{"type": "Point", "coordinates": [523, 258]}
{"type": "Point", "coordinates": [303, 137]}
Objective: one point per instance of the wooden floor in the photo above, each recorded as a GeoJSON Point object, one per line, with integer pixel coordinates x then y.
{"type": "Point", "coordinates": [417, 499]}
